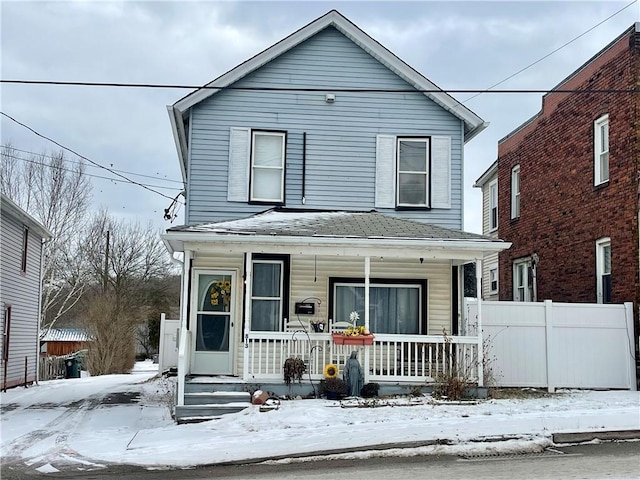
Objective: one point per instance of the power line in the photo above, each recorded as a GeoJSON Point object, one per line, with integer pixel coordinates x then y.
{"type": "Point", "coordinates": [550, 53]}
{"type": "Point", "coordinates": [316, 89]}
{"type": "Point", "coordinates": [87, 174]}
{"type": "Point", "coordinates": [154, 177]}
{"type": "Point", "coordinates": [83, 157]}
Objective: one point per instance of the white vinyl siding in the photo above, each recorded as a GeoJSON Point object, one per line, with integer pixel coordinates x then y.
{"type": "Point", "coordinates": [603, 270]}
{"type": "Point", "coordinates": [267, 166]}
{"type": "Point", "coordinates": [601, 150]}
{"type": "Point", "coordinates": [493, 205]}
{"type": "Point", "coordinates": [515, 192]}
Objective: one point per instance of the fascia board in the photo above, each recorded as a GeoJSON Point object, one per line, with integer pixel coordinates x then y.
{"type": "Point", "coordinates": [179, 140]}
{"type": "Point", "coordinates": [487, 175]}
{"type": "Point", "coordinates": [473, 122]}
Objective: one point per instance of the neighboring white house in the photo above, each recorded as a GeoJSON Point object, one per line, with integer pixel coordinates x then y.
{"type": "Point", "coordinates": [21, 247]}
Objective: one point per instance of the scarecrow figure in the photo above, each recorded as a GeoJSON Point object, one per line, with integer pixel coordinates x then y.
{"type": "Point", "coordinates": [352, 375]}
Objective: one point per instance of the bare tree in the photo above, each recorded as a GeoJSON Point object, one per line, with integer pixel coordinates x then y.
{"type": "Point", "coordinates": [56, 192]}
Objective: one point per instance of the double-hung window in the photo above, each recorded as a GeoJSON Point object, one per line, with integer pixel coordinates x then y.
{"type": "Point", "coordinates": [515, 191]}
{"type": "Point", "coordinates": [493, 205]}
{"type": "Point", "coordinates": [601, 150]}
{"type": "Point", "coordinates": [493, 280]}
{"type": "Point", "coordinates": [603, 270]}
{"type": "Point", "coordinates": [396, 308]}
{"type": "Point", "coordinates": [25, 249]}
{"type": "Point", "coordinates": [269, 292]}
{"type": "Point", "coordinates": [523, 280]}
{"type": "Point", "coordinates": [413, 172]}
{"type": "Point", "coordinates": [267, 166]}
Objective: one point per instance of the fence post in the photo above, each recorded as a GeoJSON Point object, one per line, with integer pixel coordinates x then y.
{"type": "Point", "coordinates": [628, 316]}
{"type": "Point", "coordinates": [548, 327]}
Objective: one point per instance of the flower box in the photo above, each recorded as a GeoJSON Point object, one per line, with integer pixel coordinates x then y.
{"type": "Point", "coordinates": [340, 339]}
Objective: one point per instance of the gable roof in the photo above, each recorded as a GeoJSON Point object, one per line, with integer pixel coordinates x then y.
{"type": "Point", "coordinates": [336, 228]}
{"type": "Point", "coordinates": [488, 174]}
{"type": "Point", "coordinates": [473, 123]}
{"type": "Point", "coordinates": [9, 207]}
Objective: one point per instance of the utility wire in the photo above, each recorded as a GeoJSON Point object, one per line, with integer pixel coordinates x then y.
{"type": "Point", "coordinates": [85, 158]}
{"type": "Point", "coordinates": [87, 174]}
{"type": "Point", "coordinates": [316, 89]}
{"type": "Point", "coordinates": [550, 53]}
{"type": "Point", "coordinates": [154, 177]}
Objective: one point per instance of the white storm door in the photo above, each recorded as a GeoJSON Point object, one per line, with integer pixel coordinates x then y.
{"type": "Point", "coordinates": [213, 320]}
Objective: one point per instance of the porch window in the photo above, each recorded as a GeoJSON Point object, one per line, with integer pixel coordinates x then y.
{"type": "Point", "coordinates": [523, 280]}
{"type": "Point", "coordinates": [267, 167]}
{"type": "Point", "coordinates": [413, 172]}
{"type": "Point", "coordinates": [269, 293]}
{"type": "Point", "coordinates": [603, 270]}
{"type": "Point", "coordinates": [395, 308]}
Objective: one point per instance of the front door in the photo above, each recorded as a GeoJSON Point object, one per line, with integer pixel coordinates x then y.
{"type": "Point", "coordinates": [213, 319]}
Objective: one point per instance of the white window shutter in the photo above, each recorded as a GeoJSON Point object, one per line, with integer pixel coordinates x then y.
{"type": "Point", "coordinates": [239, 153]}
{"type": "Point", "coordinates": [440, 172]}
{"type": "Point", "coordinates": [385, 171]}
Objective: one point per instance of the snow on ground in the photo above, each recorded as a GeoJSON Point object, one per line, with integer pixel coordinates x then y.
{"type": "Point", "coordinates": [94, 421]}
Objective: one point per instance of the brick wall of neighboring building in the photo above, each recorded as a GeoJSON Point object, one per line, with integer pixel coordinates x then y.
{"type": "Point", "coordinates": [562, 213]}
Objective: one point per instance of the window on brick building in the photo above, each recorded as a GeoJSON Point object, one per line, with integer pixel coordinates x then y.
{"type": "Point", "coordinates": [515, 191]}
{"type": "Point", "coordinates": [601, 150]}
{"type": "Point", "coordinates": [493, 205]}
{"type": "Point", "coordinates": [523, 280]}
{"type": "Point", "coordinates": [603, 270]}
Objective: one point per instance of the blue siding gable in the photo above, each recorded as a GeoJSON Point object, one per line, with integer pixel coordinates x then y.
{"type": "Point", "coordinates": [340, 137]}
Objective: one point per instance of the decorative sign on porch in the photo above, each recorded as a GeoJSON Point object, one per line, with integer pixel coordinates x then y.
{"type": "Point", "coordinates": [342, 339]}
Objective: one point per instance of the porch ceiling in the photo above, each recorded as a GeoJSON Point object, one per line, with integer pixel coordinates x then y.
{"type": "Point", "coordinates": [336, 233]}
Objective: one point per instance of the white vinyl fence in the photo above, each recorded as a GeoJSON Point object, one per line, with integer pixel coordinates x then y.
{"type": "Point", "coordinates": [556, 345]}
{"type": "Point", "coordinates": [169, 336]}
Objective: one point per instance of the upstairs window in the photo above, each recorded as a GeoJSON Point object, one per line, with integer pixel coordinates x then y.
{"type": "Point", "coordinates": [25, 249]}
{"type": "Point", "coordinates": [413, 172]}
{"type": "Point", "coordinates": [515, 192]}
{"type": "Point", "coordinates": [267, 166]}
{"type": "Point", "coordinates": [493, 205]}
{"type": "Point", "coordinates": [603, 270]}
{"type": "Point", "coordinates": [601, 150]}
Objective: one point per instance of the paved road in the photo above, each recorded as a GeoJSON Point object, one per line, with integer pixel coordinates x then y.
{"type": "Point", "coordinates": [606, 460]}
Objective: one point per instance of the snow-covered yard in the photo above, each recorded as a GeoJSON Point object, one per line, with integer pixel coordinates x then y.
{"type": "Point", "coordinates": [94, 421]}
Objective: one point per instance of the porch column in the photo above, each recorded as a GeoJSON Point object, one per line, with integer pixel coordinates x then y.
{"type": "Point", "coordinates": [367, 273]}
{"type": "Point", "coordinates": [184, 344]}
{"type": "Point", "coordinates": [479, 322]}
{"type": "Point", "coordinates": [248, 282]}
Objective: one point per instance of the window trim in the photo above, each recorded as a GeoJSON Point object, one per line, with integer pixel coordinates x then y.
{"type": "Point", "coordinates": [25, 249]}
{"type": "Point", "coordinates": [423, 283]}
{"type": "Point", "coordinates": [528, 289]}
{"type": "Point", "coordinates": [493, 187]}
{"type": "Point", "coordinates": [515, 195]}
{"type": "Point", "coordinates": [598, 152]}
{"type": "Point", "coordinates": [427, 173]}
{"type": "Point", "coordinates": [491, 273]}
{"type": "Point", "coordinates": [285, 285]}
{"type": "Point", "coordinates": [601, 244]}
{"type": "Point", "coordinates": [252, 167]}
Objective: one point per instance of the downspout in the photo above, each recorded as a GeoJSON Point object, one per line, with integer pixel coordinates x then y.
{"type": "Point", "coordinates": [304, 167]}
{"type": "Point", "coordinates": [479, 322]}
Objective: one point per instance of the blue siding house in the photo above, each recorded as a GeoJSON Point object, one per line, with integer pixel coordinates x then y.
{"type": "Point", "coordinates": [323, 177]}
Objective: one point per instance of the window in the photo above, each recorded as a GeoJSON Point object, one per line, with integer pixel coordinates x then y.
{"type": "Point", "coordinates": [603, 270]}
{"type": "Point", "coordinates": [267, 166]}
{"type": "Point", "coordinates": [397, 307]}
{"type": "Point", "coordinates": [413, 172]}
{"type": "Point", "coordinates": [5, 333]}
{"type": "Point", "coordinates": [493, 205]}
{"type": "Point", "coordinates": [493, 280]}
{"type": "Point", "coordinates": [25, 248]}
{"type": "Point", "coordinates": [515, 192]}
{"type": "Point", "coordinates": [523, 280]}
{"type": "Point", "coordinates": [601, 150]}
{"type": "Point", "coordinates": [269, 292]}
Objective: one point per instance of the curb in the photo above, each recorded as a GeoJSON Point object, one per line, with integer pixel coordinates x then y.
{"type": "Point", "coordinates": [579, 437]}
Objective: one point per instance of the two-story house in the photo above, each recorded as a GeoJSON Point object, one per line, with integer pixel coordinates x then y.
{"type": "Point", "coordinates": [21, 245]}
{"type": "Point", "coordinates": [564, 189]}
{"type": "Point", "coordinates": [323, 177]}
{"type": "Point", "coordinates": [488, 182]}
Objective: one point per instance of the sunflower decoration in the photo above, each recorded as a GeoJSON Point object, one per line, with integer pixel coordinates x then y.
{"type": "Point", "coordinates": [330, 370]}
{"type": "Point", "coordinates": [221, 293]}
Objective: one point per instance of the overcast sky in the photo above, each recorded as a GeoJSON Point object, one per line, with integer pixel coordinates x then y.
{"type": "Point", "coordinates": [457, 45]}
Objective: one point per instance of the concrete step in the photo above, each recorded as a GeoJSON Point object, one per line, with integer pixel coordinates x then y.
{"type": "Point", "coordinates": [201, 413]}
{"type": "Point", "coordinates": [213, 384]}
{"type": "Point", "coordinates": [216, 398]}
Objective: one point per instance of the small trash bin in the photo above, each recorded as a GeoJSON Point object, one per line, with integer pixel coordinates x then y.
{"type": "Point", "coordinates": [71, 368]}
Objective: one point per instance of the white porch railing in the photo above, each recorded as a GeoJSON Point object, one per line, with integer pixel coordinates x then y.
{"type": "Point", "coordinates": [391, 358]}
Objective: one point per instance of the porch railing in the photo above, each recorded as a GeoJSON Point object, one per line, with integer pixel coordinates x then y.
{"type": "Point", "coordinates": [391, 358]}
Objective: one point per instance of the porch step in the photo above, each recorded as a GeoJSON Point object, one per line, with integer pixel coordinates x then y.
{"type": "Point", "coordinates": [204, 412]}
{"type": "Point", "coordinates": [204, 384]}
{"type": "Point", "coordinates": [216, 398]}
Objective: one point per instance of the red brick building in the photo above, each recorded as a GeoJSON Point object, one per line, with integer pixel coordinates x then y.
{"type": "Point", "coordinates": [569, 186]}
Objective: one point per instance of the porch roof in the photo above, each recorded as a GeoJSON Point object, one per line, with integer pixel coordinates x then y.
{"type": "Point", "coordinates": [331, 233]}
